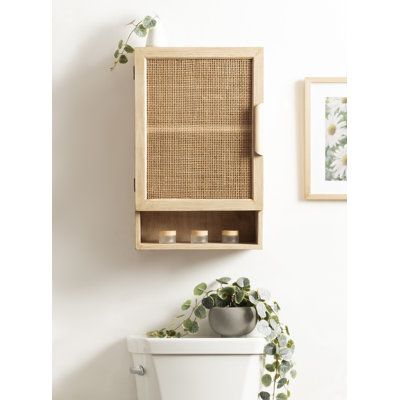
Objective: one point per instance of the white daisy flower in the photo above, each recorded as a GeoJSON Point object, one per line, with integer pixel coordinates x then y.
{"type": "Point", "coordinates": [336, 104]}
{"type": "Point", "coordinates": [339, 165]}
{"type": "Point", "coordinates": [335, 129]}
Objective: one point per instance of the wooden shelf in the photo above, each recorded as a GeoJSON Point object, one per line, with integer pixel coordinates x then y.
{"type": "Point", "coordinates": [191, 246]}
{"type": "Point", "coordinates": [149, 224]}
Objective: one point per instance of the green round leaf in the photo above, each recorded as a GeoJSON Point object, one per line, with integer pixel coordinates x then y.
{"type": "Point", "coordinates": [199, 289]}
{"type": "Point", "coordinates": [194, 328]}
{"type": "Point", "coordinates": [208, 302]}
{"type": "Point", "coordinates": [243, 282]}
{"type": "Point", "coordinates": [263, 327]}
{"type": "Point", "coordinates": [128, 48]}
{"type": "Point", "coordinates": [281, 396]}
{"type": "Point", "coordinates": [260, 307]}
{"type": "Point", "coordinates": [171, 333]}
{"type": "Point", "coordinates": [282, 382]}
{"type": "Point", "coordinates": [120, 43]}
{"type": "Point", "coordinates": [264, 395]}
{"type": "Point", "coordinates": [186, 305]}
{"type": "Point", "coordinates": [225, 292]}
{"type": "Point", "coordinates": [224, 280]}
{"type": "Point", "coordinates": [270, 367]}
{"type": "Point", "coordinates": [266, 379]}
{"type": "Point", "coordinates": [187, 324]}
{"type": "Point", "coordinates": [116, 53]}
{"type": "Point", "coordinates": [239, 296]}
{"type": "Point", "coordinates": [293, 373]}
{"type": "Point", "coordinates": [123, 59]}
{"type": "Point", "coordinates": [285, 367]}
{"type": "Point", "coordinates": [147, 21]}
{"type": "Point", "coordinates": [140, 30]}
{"type": "Point", "coordinates": [200, 312]}
{"type": "Point", "coordinates": [218, 302]}
{"type": "Point", "coordinates": [270, 349]}
{"type": "Point", "coordinates": [290, 343]}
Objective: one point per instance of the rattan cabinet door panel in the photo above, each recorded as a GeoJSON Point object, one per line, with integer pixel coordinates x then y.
{"type": "Point", "coordinates": [194, 129]}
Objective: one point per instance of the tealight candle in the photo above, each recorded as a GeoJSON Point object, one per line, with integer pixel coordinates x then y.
{"type": "Point", "coordinates": [229, 236]}
{"type": "Point", "coordinates": [199, 236]}
{"type": "Point", "coordinates": [166, 237]}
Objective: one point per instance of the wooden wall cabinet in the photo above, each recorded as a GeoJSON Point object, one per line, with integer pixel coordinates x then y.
{"type": "Point", "coordinates": [198, 156]}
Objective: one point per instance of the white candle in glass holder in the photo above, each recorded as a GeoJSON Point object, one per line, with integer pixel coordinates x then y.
{"type": "Point", "coordinates": [199, 236]}
{"type": "Point", "coordinates": [230, 236]}
{"type": "Point", "coordinates": [166, 237]}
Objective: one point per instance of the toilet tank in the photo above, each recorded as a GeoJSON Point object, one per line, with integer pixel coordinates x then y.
{"type": "Point", "coordinates": [197, 368]}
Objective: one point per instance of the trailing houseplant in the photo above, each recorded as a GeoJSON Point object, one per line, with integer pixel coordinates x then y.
{"type": "Point", "coordinates": [139, 28]}
{"type": "Point", "coordinates": [279, 348]}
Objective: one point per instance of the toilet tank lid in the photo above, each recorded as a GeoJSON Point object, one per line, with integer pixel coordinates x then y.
{"type": "Point", "coordinates": [144, 345]}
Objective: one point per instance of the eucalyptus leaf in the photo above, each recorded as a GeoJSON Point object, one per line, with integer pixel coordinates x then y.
{"type": "Point", "coordinates": [140, 30]}
{"type": "Point", "coordinates": [270, 349]}
{"type": "Point", "coordinates": [264, 395]}
{"type": "Point", "coordinates": [282, 382]}
{"type": "Point", "coordinates": [285, 367]}
{"type": "Point", "coordinates": [290, 343]}
{"type": "Point", "coordinates": [253, 297]}
{"type": "Point", "coordinates": [200, 312]}
{"type": "Point", "coordinates": [123, 59]}
{"type": "Point", "coordinates": [116, 53]}
{"type": "Point", "coordinates": [199, 289]}
{"type": "Point", "coordinates": [260, 307]}
{"type": "Point", "coordinates": [239, 296]}
{"type": "Point", "coordinates": [186, 305]}
{"type": "Point", "coordinates": [120, 43]}
{"type": "Point", "coordinates": [225, 292]}
{"type": "Point", "coordinates": [263, 327]}
{"type": "Point", "coordinates": [281, 396]}
{"type": "Point", "coordinates": [128, 48]}
{"type": "Point", "coordinates": [187, 323]}
{"type": "Point", "coordinates": [224, 280]}
{"type": "Point", "coordinates": [208, 302]}
{"type": "Point", "coordinates": [282, 339]}
{"type": "Point", "coordinates": [147, 21]}
{"type": "Point", "coordinates": [293, 373]}
{"type": "Point", "coordinates": [266, 379]}
{"type": "Point", "coordinates": [270, 367]}
{"type": "Point", "coordinates": [243, 282]}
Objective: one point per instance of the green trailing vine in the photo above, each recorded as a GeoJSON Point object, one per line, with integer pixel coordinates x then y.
{"type": "Point", "coordinates": [140, 29]}
{"type": "Point", "coordinates": [279, 349]}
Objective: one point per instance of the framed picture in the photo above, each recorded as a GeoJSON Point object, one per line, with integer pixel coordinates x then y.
{"type": "Point", "coordinates": [325, 139]}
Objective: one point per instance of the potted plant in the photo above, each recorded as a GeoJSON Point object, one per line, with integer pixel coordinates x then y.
{"type": "Point", "coordinates": [234, 310]}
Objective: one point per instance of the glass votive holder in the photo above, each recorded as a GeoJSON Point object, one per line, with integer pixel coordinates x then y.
{"type": "Point", "coordinates": [166, 237]}
{"type": "Point", "coordinates": [199, 236]}
{"type": "Point", "coordinates": [229, 236]}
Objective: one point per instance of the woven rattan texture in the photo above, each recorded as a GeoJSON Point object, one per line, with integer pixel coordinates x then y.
{"type": "Point", "coordinates": [199, 128]}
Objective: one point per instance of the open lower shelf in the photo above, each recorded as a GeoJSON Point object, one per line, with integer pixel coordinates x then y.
{"type": "Point", "coordinates": [148, 225]}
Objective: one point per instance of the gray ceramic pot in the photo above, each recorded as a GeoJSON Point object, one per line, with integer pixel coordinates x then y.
{"type": "Point", "coordinates": [232, 322]}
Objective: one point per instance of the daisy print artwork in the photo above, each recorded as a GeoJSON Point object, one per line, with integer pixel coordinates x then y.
{"type": "Point", "coordinates": [336, 138]}
{"type": "Point", "coordinates": [325, 139]}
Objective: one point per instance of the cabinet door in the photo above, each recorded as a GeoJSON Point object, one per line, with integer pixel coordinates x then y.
{"type": "Point", "coordinates": [194, 128]}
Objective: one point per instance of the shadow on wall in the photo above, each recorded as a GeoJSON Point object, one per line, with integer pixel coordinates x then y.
{"type": "Point", "coordinates": [98, 377]}
{"type": "Point", "coordinates": [93, 211]}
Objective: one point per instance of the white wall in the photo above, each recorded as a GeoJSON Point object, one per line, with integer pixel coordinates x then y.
{"type": "Point", "coordinates": [103, 288]}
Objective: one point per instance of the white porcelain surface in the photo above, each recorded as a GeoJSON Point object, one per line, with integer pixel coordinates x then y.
{"type": "Point", "coordinates": [197, 368]}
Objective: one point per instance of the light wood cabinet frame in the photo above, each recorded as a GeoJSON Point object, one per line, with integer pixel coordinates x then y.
{"type": "Point", "coordinates": [141, 200]}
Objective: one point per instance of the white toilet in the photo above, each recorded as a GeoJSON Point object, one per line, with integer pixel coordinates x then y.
{"type": "Point", "coordinates": [196, 368]}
